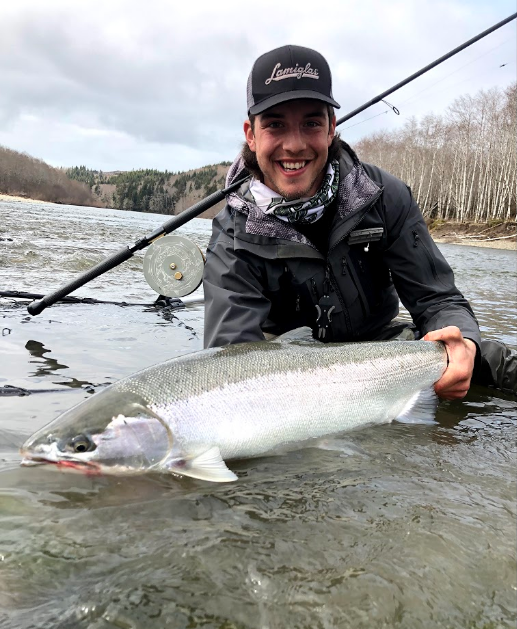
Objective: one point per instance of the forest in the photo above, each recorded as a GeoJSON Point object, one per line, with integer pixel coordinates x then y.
{"type": "Point", "coordinates": [151, 190]}
{"type": "Point", "coordinates": [461, 166]}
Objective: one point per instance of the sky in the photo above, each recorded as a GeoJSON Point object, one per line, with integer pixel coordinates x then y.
{"type": "Point", "coordinates": [123, 85]}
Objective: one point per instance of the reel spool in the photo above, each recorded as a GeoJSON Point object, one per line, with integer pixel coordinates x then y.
{"type": "Point", "coordinates": [173, 266]}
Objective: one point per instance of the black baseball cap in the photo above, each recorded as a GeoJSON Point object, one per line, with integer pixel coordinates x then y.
{"type": "Point", "coordinates": [288, 73]}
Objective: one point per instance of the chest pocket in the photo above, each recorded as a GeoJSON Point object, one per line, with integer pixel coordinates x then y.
{"type": "Point", "coordinates": [365, 236]}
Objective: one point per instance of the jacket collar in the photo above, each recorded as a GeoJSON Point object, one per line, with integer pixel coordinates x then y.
{"type": "Point", "coordinates": [356, 190]}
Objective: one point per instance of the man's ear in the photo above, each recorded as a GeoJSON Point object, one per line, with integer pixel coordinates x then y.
{"type": "Point", "coordinates": [332, 131]}
{"type": "Point", "coordinates": [249, 135]}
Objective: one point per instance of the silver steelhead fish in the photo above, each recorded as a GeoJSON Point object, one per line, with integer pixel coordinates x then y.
{"type": "Point", "coordinates": [191, 414]}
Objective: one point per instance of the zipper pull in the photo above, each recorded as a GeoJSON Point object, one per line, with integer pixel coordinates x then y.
{"type": "Point", "coordinates": [297, 307]}
{"type": "Point", "coordinates": [344, 266]}
{"type": "Point", "coordinates": [313, 287]}
{"type": "Point", "coordinates": [326, 282]}
{"type": "Point", "coordinates": [416, 238]}
{"type": "Point", "coordinates": [324, 308]}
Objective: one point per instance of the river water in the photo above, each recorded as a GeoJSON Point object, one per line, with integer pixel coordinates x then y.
{"type": "Point", "coordinates": [410, 526]}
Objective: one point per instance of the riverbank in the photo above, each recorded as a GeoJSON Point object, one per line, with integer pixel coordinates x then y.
{"type": "Point", "coordinates": [10, 197]}
{"type": "Point", "coordinates": [496, 235]}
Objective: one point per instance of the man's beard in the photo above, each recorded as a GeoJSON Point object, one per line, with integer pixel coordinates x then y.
{"type": "Point", "coordinates": [292, 196]}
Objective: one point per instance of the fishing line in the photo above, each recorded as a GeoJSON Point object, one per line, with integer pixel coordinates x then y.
{"type": "Point", "coordinates": [428, 67]}
{"type": "Point", "coordinates": [453, 72]}
{"type": "Point", "coordinates": [414, 96]}
{"type": "Point", "coordinates": [395, 110]}
{"type": "Point", "coordinates": [366, 120]}
{"type": "Point", "coordinates": [473, 76]}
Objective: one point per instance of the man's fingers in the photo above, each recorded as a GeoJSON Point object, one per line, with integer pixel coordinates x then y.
{"type": "Point", "coordinates": [455, 382]}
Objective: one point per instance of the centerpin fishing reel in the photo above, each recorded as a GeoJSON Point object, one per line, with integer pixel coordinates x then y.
{"type": "Point", "coordinates": [173, 266]}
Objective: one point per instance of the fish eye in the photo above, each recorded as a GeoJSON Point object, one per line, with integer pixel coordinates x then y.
{"type": "Point", "coordinates": [80, 444]}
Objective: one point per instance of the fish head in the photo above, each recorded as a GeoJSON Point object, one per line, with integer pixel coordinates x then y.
{"type": "Point", "coordinates": [113, 432]}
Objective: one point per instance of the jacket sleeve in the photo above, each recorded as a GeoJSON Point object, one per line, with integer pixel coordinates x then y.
{"type": "Point", "coordinates": [235, 306]}
{"type": "Point", "coordinates": [423, 279]}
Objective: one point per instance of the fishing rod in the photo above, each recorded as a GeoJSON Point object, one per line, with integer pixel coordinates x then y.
{"type": "Point", "coordinates": [173, 303]}
{"type": "Point", "coordinates": [36, 307]}
{"type": "Point", "coordinates": [432, 65]}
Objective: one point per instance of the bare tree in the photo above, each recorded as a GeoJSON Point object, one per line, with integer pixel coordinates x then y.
{"type": "Point", "coordinates": [460, 166]}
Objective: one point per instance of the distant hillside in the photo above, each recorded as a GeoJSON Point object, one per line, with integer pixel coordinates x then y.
{"type": "Point", "coordinates": [153, 190]}
{"type": "Point", "coordinates": [138, 190]}
{"type": "Point", "coordinates": [26, 176]}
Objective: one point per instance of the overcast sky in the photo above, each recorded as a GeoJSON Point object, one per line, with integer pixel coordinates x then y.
{"type": "Point", "coordinates": [125, 84]}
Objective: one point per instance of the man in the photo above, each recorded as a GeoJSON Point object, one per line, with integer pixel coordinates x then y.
{"type": "Point", "coordinates": [316, 238]}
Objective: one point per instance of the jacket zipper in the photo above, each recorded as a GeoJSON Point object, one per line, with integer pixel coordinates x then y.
{"type": "Point", "coordinates": [329, 276]}
{"type": "Point", "coordinates": [360, 215]}
{"type": "Point", "coordinates": [418, 241]}
{"type": "Point", "coordinates": [314, 289]}
{"type": "Point", "coordinates": [345, 270]}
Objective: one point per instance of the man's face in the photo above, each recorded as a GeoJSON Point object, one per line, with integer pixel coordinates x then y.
{"type": "Point", "coordinates": [291, 143]}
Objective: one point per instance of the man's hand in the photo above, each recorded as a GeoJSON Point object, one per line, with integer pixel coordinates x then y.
{"type": "Point", "coordinates": [455, 382]}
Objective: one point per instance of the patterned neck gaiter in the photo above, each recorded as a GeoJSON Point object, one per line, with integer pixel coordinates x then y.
{"type": "Point", "coordinates": [304, 210]}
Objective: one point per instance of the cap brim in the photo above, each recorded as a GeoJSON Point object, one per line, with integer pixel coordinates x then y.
{"type": "Point", "coordinates": [277, 99]}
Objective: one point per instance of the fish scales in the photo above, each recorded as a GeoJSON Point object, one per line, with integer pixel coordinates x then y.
{"type": "Point", "coordinates": [272, 397]}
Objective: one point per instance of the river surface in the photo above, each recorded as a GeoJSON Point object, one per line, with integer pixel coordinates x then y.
{"type": "Point", "coordinates": [409, 526]}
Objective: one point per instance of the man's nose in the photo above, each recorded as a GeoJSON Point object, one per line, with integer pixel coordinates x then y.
{"type": "Point", "coordinates": [294, 141]}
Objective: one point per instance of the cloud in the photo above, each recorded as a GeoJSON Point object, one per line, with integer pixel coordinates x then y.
{"type": "Point", "coordinates": [125, 84]}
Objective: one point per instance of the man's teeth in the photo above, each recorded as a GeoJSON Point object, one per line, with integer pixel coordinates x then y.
{"type": "Point", "coordinates": [292, 165]}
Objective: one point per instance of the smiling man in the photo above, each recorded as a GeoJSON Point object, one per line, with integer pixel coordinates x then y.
{"type": "Point", "coordinates": [291, 143]}
{"type": "Point", "coordinates": [317, 238]}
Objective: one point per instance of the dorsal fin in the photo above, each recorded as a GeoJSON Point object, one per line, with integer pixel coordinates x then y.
{"type": "Point", "coordinates": [298, 334]}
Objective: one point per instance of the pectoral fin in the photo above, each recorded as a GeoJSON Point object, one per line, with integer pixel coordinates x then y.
{"type": "Point", "coordinates": [208, 465]}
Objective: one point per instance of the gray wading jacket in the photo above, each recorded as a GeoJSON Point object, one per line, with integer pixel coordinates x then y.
{"type": "Point", "coordinates": [262, 275]}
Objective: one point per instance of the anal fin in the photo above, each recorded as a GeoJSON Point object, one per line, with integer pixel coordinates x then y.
{"type": "Point", "coordinates": [344, 447]}
{"type": "Point", "coordinates": [421, 408]}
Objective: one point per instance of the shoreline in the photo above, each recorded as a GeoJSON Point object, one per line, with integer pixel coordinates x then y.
{"type": "Point", "coordinates": [12, 197]}
{"type": "Point", "coordinates": [493, 234]}
{"type": "Point", "coordinates": [463, 234]}
{"type": "Point", "coordinates": [508, 245]}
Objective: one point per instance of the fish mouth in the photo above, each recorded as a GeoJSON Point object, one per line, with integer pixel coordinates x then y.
{"type": "Point", "coordinates": [87, 467]}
